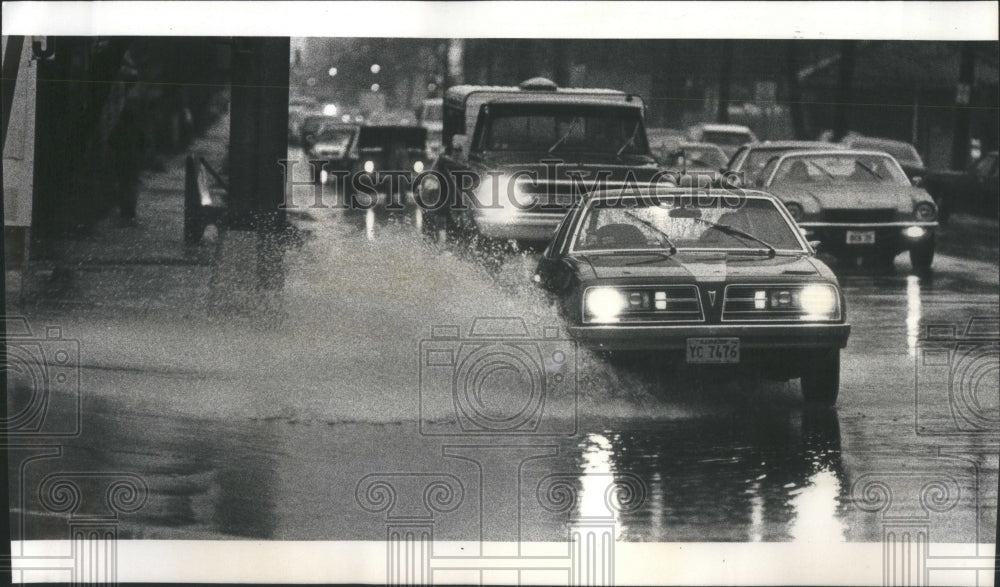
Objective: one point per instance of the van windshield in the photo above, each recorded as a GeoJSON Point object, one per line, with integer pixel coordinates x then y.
{"type": "Point", "coordinates": [563, 128]}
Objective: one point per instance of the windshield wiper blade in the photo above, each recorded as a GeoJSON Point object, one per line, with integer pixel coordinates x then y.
{"type": "Point", "coordinates": [732, 230]}
{"type": "Point", "coordinates": [869, 170]}
{"type": "Point", "coordinates": [563, 138]}
{"type": "Point", "coordinates": [651, 226]}
{"type": "Point", "coordinates": [821, 168]}
{"type": "Point", "coordinates": [656, 256]}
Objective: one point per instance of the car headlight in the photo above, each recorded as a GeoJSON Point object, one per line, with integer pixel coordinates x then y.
{"type": "Point", "coordinates": [418, 166]}
{"type": "Point", "coordinates": [500, 198]}
{"type": "Point", "coordinates": [323, 176]}
{"type": "Point", "coordinates": [604, 304]}
{"type": "Point", "coordinates": [795, 210]}
{"type": "Point", "coordinates": [925, 211]}
{"type": "Point", "coordinates": [818, 301]}
{"type": "Point", "coordinates": [369, 166]}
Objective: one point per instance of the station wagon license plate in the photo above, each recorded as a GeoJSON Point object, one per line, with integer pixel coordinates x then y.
{"type": "Point", "coordinates": [861, 237]}
{"type": "Point", "coordinates": [713, 350]}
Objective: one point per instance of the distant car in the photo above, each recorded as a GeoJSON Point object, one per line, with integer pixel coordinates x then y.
{"type": "Point", "coordinates": [299, 108]}
{"type": "Point", "coordinates": [723, 280]}
{"type": "Point", "coordinates": [936, 181]}
{"type": "Point", "coordinates": [728, 136]}
{"type": "Point", "coordinates": [693, 157]}
{"type": "Point", "coordinates": [661, 138]}
{"type": "Point", "coordinates": [312, 125]}
{"type": "Point", "coordinates": [977, 189]}
{"type": "Point", "coordinates": [336, 143]}
{"type": "Point", "coordinates": [430, 116]}
{"type": "Point", "coordinates": [751, 158]}
{"type": "Point", "coordinates": [856, 203]}
{"type": "Point", "coordinates": [383, 148]}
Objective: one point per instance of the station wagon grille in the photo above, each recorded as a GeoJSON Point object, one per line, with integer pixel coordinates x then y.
{"type": "Point", "coordinates": [860, 216]}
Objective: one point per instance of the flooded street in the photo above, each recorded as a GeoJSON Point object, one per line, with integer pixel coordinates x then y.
{"type": "Point", "coordinates": [322, 423]}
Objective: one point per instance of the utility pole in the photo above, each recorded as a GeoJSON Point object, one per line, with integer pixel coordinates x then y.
{"type": "Point", "coordinates": [963, 99]}
{"type": "Point", "coordinates": [794, 90]}
{"type": "Point", "coordinates": [845, 93]}
{"type": "Point", "coordinates": [725, 81]}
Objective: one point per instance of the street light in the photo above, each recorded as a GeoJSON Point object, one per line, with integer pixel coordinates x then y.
{"type": "Point", "coordinates": [375, 87]}
{"type": "Point", "coordinates": [376, 68]}
{"type": "Point", "coordinates": [332, 71]}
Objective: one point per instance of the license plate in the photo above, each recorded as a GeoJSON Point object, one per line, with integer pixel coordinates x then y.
{"type": "Point", "coordinates": [861, 237]}
{"type": "Point", "coordinates": [713, 350]}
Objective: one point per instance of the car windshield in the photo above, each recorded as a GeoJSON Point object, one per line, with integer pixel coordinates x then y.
{"type": "Point", "coordinates": [558, 128]}
{"type": "Point", "coordinates": [839, 168]}
{"type": "Point", "coordinates": [903, 152]}
{"type": "Point", "coordinates": [338, 137]}
{"type": "Point", "coordinates": [432, 111]}
{"type": "Point", "coordinates": [726, 138]}
{"type": "Point", "coordinates": [656, 223]}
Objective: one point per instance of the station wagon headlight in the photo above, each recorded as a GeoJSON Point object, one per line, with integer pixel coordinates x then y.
{"type": "Point", "coordinates": [604, 304]}
{"type": "Point", "coordinates": [818, 301]}
{"type": "Point", "coordinates": [925, 211]}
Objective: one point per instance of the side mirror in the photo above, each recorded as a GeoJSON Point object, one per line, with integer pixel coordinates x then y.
{"type": "Point", "coordinates": [459, 144]}
{"type": "Point", "coordinates": [917, 181]}
{"type": "Point", "coordinates": [815, 245]}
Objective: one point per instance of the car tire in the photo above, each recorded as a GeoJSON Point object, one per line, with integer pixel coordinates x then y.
{"type": "Point", "coordinates": [820, 379]}
{"type": "Point", "coordinates": [922, 256]}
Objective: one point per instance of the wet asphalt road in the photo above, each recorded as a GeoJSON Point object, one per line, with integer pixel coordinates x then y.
{"type": "Point", "coordinates": [326, 424]}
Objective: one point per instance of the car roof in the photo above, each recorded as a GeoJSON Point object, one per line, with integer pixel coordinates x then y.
{"type": "Point", "coordinates": [648, 190]}
{"type": "Point", "coordinates": [794, 145]}
{"type": "Point", "coordinates": [717, 127]}
{"type": "Point", "coordinates": [875, 141]}
{"type": "Point", "coordinates": [699, 145]}
{"type": "Point", "coordinates": [826, 152]}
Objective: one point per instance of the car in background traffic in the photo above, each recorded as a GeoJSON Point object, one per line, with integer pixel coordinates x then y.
{"type": "Point", "coordinates": [299, 107]}
{"type": "Point", "coordinates": [700, 157]}
{"type": "Point", "coordinates": [728, 136]}
{"type": "Point", "coordinates": [312, 125]}
{"type": "Point", "coordinates": [383, 148]}
{"type": "Point", "coordinates": [856, 203]}
{"type": "Point", "coordinates": [430, 117]}
{"type": "Point", "coordinates": [720, 280]}
{"type": "Point", "coordinates": [939, 183]}
{"type": "Point", "coordinates": [750, 159]}
{"type": "Point", "coordinates": [335, 143]}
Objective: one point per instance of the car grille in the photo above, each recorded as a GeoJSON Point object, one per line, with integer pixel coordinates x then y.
{"type": "Point", "coordinates": [681, 304]}
{"type": "Point", "coordinates": [860, 216]}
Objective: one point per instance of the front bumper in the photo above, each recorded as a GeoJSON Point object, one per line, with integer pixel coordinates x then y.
{"type": "Point", "coordinates": [527, 226]}
{"type": "Point", "coordinates": [888, 235]}
{"type": "Point", "coordinates": [775, 337]}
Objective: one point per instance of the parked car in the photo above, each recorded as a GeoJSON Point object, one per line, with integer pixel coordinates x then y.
{"type": "Point", "coordinates": [728, 136]}
{"type": "Point", "coordinates": [723, 280]}
{"type": "Point", "coordinates": [507, 139]}
{"type": "Point", "coordinates": [751, 158]}
{"type": "Point", "coordinates": [939, 183]}
{"type": "Point", "coordinates": [973, 190]}
{"type": "Point", "coordinates": [856, 203]}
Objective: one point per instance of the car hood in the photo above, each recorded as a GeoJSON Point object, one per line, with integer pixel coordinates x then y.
{"type": "Point", "coordinates": [697, 268]}
{"type": "Point", "coordinates": [642, 168]}
{"type": "Point", "coordinates": [854, 196]}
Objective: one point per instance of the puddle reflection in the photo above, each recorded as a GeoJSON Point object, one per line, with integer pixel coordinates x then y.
{"type": "Point", "coordinates": [772, 474]}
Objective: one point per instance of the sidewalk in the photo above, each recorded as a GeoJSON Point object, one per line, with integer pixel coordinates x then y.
{"type": "Point", "coordinates": [144, 266]}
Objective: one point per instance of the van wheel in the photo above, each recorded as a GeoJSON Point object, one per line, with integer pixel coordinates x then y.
{"type": "Point", "coordinates": [820, 378]}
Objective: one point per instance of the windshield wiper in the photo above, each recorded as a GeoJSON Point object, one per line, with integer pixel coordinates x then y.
{"type": "Point", "coordinates": [733, 231]}
{"type": "Point", "coordinates": [656, 256]}
{"type": "Point", "coordinates": [651, 226]}
{"type": "Point", "coordinates": [631, 138]}
{"type": "Point", "coordinates": [563, 138]}
{"type": "Point", "coordinates": [869, 170]}
{"type": "Point", "coordinates": [821, 168]}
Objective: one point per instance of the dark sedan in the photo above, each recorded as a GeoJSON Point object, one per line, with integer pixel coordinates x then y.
{"type": "Point", "coordinates": [722, 279]}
